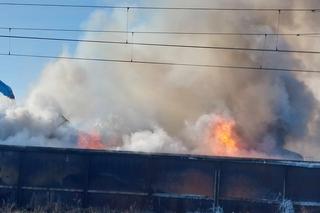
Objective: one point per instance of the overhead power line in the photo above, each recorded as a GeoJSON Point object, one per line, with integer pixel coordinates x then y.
{"type": "Point", "coordinates": [158, 32]}
{"type": "Point", "coordinates": [247, 68]}
{"type": "Point", "coordinates": [161, 44]}
{"type": "Point", "coordinates": [158, 8]}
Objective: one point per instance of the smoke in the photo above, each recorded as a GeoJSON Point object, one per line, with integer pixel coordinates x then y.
{"type": "Point", "coordinates": [21, 126]}
{"type": "Point", "coordinates": [157, 108]}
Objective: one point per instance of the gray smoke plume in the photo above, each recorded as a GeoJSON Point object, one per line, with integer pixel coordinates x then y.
{"type": "Point", "coordinates": [157, 108]}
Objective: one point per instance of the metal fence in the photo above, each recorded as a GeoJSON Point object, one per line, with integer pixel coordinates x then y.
{"type": "Point", "coordinates": [32, 177]}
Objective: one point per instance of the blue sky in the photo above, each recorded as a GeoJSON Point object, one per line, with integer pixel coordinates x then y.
{"type": "Point", "coordinates": [20, 73]}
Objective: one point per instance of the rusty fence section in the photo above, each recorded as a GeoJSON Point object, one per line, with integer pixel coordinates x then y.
{"type": "Point", "coordinates": [32, 177]}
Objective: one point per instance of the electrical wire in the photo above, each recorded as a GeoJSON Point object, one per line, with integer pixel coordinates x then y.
{"type": "Point", "coordinates": [158, 8]}
{"type": "Point", "coordinates": [161, 44]}
{"type": "Point", "coordinates": [159, 32]}
{"type": "Point", "coordinates": [133, 61]}
{"type": "Point", "coordinates": [247, 68]}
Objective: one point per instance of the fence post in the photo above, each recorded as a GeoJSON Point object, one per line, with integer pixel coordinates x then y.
{"type": "Point", "coordinates": [217, 175]}
{"type": "Point", "coordinates": [284, 186]}
{"type": "Point", "coordinates": [19, 185]}
{"type": "Point", "coordinates": [86, 183]}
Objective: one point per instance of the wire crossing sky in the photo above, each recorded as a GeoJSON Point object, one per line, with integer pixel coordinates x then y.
{"type": "Point", "coordinates": [161, 44]}
{"type": "Point", "coordinates": [159, 8]}
{"type": "Point", "coordinates": [229, 67]}
{"type": "Point", "coordinates": [67, 32]}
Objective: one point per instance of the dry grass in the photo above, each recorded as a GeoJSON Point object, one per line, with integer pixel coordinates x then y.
{"type": "Point", "coordinates": [59, 209]}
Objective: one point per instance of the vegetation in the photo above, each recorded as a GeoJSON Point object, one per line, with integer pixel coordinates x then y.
{"type": "Point", "coordinates": [55, 208]}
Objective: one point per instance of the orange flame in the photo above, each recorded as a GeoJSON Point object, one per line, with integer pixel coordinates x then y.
{"type": "Point", "coordinates": [90, 141]}
{"type": "Point", "coordinates": [222, 138]}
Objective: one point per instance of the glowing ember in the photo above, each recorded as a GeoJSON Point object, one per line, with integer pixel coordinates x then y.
{"type": "Point", "coordinates": [90, 141]}
{"type": "Point", "coordinates": [222, 137]}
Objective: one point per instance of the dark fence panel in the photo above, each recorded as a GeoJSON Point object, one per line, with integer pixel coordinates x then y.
{"type": "Point", "coordinates": [53, 170]}
{"type": "Point", "coordinates": [251, 182]}
{"type": "Point", "coordinates": [34, 177]}
{"type": "Point", "coordinates": [303, 184]}
{"type": "Point", "coordinates": [182, 177]}
{"type": "Point", "coordinates": [114, 173]}
{"type": "Point", "coordinates": [9, 168]}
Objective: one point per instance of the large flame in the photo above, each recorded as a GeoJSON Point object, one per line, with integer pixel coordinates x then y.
{"type": "Point", "coordinates": [90, 141]}
{"type": "Point", "coordinates": [222, 137]}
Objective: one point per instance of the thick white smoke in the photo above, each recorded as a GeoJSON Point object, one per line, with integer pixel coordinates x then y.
{"type": "Point", "coordinates": [169, 108]}
{"type": "Point", "coordinates": [22, 126]}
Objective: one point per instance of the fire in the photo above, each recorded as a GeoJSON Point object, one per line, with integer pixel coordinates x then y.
{"type": "Point", "coordinates": [90, 141]}
{"type": "Point", "coordinates": [222, 137]}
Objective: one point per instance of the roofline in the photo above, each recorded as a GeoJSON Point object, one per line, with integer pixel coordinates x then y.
{"type": "Point", "coordinates": [280, 162]}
